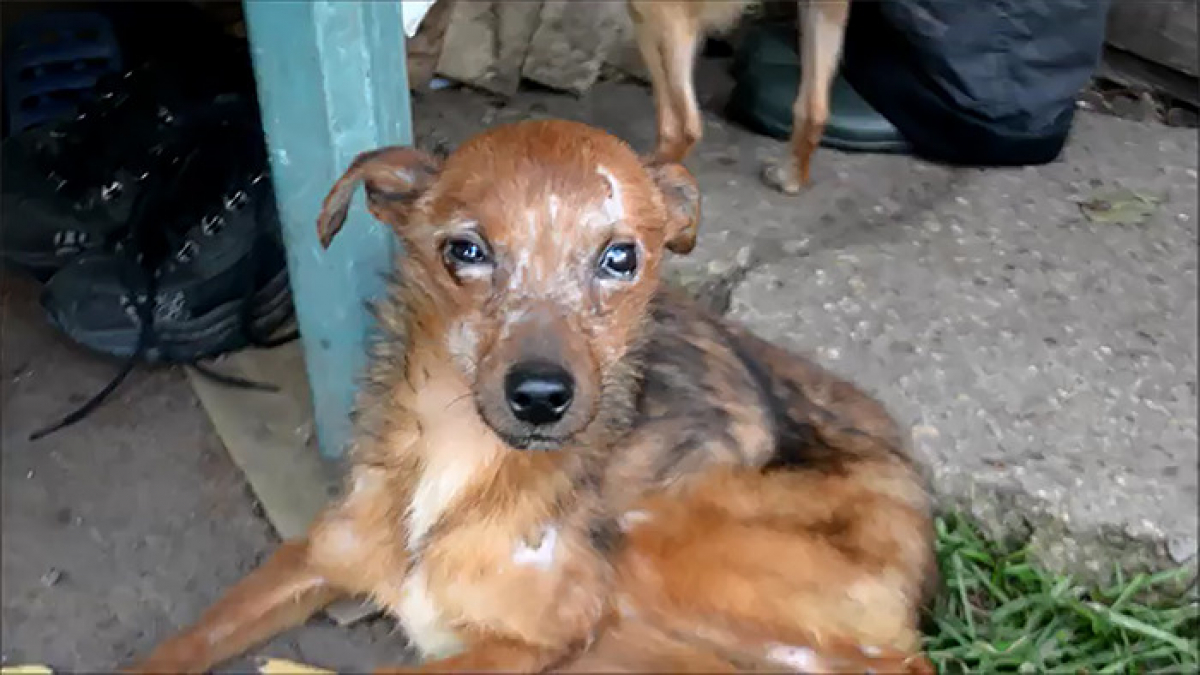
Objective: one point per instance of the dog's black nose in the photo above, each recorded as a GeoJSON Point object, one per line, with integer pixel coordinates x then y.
{"type": "Point", "coordinates": [539, 392]}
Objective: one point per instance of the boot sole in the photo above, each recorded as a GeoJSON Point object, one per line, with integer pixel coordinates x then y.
{"type": "Point", "coordinates": [211, 334]}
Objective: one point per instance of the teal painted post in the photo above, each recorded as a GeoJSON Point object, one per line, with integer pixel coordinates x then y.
{"type": "Point", "coordinates": [331, 83]}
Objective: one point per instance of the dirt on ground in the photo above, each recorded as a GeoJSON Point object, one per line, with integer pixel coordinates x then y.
{"type": "Point", "coordinates": [126, 526]}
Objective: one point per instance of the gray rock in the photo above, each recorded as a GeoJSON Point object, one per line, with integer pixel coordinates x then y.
{"type": "Point", "coordinates": [624, 55]}
{"type": "Point", "coordinates": [486, 43]}
{"type": "Point", "coordinates": [572, 42]}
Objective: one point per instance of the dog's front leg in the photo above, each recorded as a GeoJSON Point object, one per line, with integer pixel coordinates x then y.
{"type": "Point", "coordinates": [497, 655]}
{"type": "Point", "coordinates": [282, 593]}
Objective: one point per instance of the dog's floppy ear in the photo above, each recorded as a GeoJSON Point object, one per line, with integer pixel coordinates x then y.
{"type": "Point", "coordinates": [394, 178]}
{"type": "Point", "coordinates": [682, 199]}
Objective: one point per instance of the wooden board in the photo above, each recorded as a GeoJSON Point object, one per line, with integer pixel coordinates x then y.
{"type": "Point", "coordinates": [1163, 31]}
{"type": "Point", "coordinates": [1136, 72]}
{"type": "Point", "coordinates": [270, 437]}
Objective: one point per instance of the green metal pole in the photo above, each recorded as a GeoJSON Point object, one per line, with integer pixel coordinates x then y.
{"type": "Point", "coordinates": [332, 83]}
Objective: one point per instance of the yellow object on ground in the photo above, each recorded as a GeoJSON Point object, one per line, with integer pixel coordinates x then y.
{"type": "Point", "coordinates": [266, 667]}
{"type": "Point", "coordinates": [284, 667]}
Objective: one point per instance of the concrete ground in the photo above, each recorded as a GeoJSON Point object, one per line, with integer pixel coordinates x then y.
{"type": "Point", "coordinates": [1046, 363]}
{"type": "Point", "coordinates": [124, 527]}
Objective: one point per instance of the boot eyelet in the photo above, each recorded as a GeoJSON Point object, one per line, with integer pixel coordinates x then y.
{"type": "Point", "coordinates": [112, 191]}
{"type": "Point", "coordinates": [236, 201]}
{"type": "Point", "coordinates": [211, 225]}
{"type": "Point", "coordinates": [186, 252]}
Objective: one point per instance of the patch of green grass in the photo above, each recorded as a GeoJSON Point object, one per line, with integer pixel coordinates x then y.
{"type": "Point", "coordinates": [998, 612]}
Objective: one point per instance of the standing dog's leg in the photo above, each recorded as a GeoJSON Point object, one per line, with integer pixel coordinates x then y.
{"type": "Point", "coordinates": [679, 52]}
{"type": "Point", "coordinates": [667, 124]}
{"type": "Point", "coordinates": [823, 27]}
{"type": "Point", "coordinates": [282, 593]}
{"type": "Point", "coordinates": [668, 40]}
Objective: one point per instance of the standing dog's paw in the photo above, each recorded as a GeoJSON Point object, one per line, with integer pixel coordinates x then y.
{"type": "Point", "coordinates": [782, 177]}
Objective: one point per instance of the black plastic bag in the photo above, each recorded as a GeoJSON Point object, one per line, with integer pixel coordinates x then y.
{"type": "Point", "coordinates": [976, 82]}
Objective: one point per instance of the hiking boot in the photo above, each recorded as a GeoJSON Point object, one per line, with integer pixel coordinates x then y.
{"type": "Point", "coordinates": [68, 188]}
{"type": "Point", "coordinates": [767, 74]}
{"type": "Point", "coordinates": [211, 277]}
{"type": "Point", "coordinates": [202, 270]}
{"type": "Point", "coordinates": [219, 292]}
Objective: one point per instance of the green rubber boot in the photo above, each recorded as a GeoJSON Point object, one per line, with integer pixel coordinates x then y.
{"type": "Point", "coordinates": [767, 71]}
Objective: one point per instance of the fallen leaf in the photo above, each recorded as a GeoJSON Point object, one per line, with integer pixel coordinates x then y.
{"type": "Point", "coordinates": [1119, 207]}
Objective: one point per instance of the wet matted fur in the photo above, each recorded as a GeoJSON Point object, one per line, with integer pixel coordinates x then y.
{"type": "Point", "coordinates": [703, 501]}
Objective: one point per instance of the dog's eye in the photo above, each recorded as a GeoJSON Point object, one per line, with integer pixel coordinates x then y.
{"type": "Point", "coordinates": [619, 261]}
{"type": "Point", "coordinates": [465, 252]}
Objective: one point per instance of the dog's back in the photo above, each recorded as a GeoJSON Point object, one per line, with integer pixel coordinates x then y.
{"type": "Point", "coordinates": [765, 502]}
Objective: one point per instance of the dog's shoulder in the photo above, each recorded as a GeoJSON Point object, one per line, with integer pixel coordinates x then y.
{"type": "Point", "coordinates": [729, 392]}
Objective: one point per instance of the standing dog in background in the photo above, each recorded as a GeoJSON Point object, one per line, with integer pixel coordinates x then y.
{"type": "Point", "coordinates": [669, 33]}
{"type": "Point", "coordinates": [560, 465]}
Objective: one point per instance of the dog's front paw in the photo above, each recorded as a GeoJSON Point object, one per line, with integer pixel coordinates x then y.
{"type": "Point", "coordinates": [176, 656]}
{"type": "Point", "coordinates": [802, 659]}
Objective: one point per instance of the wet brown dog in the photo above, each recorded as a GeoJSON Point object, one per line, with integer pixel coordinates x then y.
{"type": "Point", "coordinates": [669, 33]}
{"type": "Point", "coordinates": [560, 465]}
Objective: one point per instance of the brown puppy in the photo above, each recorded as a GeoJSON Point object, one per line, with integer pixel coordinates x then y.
{"type": "Point", "coordinates": [559, 465]}
{"type": "Point", "coordinates": [669, 33]}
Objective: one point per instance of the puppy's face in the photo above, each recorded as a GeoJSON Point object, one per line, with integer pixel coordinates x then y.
{"type": "Point", "coordinates": [531, 255]}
